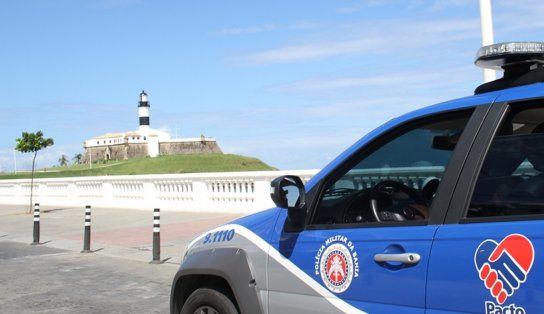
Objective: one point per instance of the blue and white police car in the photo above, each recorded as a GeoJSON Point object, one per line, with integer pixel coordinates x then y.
{"type": "Point", "coordinates": [438, 211]}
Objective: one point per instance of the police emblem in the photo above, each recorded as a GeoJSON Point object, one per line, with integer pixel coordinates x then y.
{"type": "Point", "coordinates": [335, 264]}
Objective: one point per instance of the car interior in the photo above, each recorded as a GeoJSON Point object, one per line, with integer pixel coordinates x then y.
{"type": "Point", "coordinates": [511, 181]}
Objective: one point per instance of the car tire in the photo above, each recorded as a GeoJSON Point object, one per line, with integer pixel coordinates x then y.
{"type": "Point", "coordinates": [208, 301]}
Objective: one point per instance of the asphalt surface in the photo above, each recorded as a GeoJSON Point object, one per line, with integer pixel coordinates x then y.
{"type": "Point", "coordinates": [54, 277]}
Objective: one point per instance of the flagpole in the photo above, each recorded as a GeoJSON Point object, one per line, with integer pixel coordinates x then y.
{"type": "Point", "coordinates": [486, 22]}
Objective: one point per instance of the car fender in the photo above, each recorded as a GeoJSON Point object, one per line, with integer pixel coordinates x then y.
{"type": "Point", "coordinates": [228, 263]}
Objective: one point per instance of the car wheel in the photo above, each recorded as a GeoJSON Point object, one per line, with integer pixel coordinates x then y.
{"type": "Point", "coordinates": [208, 301]}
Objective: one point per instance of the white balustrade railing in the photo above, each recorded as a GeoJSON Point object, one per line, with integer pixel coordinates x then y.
{"type": "Point", "coordinates": [229, 192]}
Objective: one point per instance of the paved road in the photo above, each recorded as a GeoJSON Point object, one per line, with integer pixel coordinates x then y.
{"type": "Point", "coordinates": [49, 280]}
{"type": "Point", "coordinates": [55, 277]}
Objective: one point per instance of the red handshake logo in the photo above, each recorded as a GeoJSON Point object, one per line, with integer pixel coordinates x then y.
{"type": "Point", "coordinates": [504, 266]}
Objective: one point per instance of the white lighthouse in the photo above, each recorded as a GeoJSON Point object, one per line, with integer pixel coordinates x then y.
{"type": "Point", "coordinates": [143, 112]}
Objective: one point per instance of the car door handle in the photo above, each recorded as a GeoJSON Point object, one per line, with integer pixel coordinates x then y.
{"type": "Point", "coordinates": [405, 258]}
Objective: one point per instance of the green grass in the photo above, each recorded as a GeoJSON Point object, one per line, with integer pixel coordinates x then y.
{"type": "Point", "coordinates": [157, 165]}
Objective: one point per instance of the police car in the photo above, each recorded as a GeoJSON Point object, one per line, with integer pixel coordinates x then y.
{"type": "Point", "coordinates": [438, 211]}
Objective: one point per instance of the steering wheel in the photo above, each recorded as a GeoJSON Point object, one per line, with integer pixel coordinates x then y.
{"type": "Point", "coordinates": [407, 209]}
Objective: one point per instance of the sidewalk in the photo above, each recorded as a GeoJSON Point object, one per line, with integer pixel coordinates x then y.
{"type": "Point", "coordinates": [126, 233]}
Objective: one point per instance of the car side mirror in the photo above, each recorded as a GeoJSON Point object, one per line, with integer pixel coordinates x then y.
{"type": "Point", "coordinates": [288, 192]}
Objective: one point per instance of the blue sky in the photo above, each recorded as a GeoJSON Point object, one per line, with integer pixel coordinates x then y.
{"type": "Point", "coordinates": [292, 83]}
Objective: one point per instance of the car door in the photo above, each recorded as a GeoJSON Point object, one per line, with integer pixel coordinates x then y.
{"type": "Point", "coordinates": [489, 256]}
{"type": "Point", "coordinates": [371, 223]}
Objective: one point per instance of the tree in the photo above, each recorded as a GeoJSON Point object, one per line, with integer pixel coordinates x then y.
{"type": "Point", "coordinates": [63, 160]}
{"type": "Point", "coordinates": [32, 143]}
{"type": "Point", "coordinates": [77, 159]}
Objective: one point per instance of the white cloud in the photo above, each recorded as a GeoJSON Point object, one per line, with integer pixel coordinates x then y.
{"type": "Point", "coordinates": [512, 17]}
{"type": "Point", "coordinates": [314, 51]}
{"type": "Point", "coordinates": [377, 36]}
{"type": "Point", "coordinates": [428, 79]}
{"type": "Point", "coordinates": [403, 81]}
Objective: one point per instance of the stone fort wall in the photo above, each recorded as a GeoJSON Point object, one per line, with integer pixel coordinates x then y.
{"type": "Point", "coordinates": [126, 151]}
{"type": "Point", "coordinates": [178, 148]}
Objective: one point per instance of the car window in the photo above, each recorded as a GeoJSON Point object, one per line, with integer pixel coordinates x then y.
{"type": "Point", "coordinates": [396, 181]}
{"type": "Point", "coordinates": [511, 180]}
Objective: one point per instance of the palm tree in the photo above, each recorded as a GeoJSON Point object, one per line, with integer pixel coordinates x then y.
{"type": "Point", "coordinates": [77, 159]}
{"type": "Point", "coordinates": [63, 160]}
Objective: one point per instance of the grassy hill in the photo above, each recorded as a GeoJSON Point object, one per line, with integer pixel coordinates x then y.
{"type": "Point", "coordinates": [157, 165]}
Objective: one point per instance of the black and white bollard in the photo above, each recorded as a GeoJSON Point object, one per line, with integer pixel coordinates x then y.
{"type": "Point", "coordinates": [36, 232]}
{"type": "Point", "coordinates": [87, 232]}
{"type": "Point", "coordinates": [156, 236]}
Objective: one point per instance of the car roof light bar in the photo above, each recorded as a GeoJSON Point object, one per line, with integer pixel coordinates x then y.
{"type": "Point", "coordinates": [505, 55]}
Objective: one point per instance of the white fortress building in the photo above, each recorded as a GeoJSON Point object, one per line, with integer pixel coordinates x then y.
{"type": "Point", "coordinates": [144, 142]}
